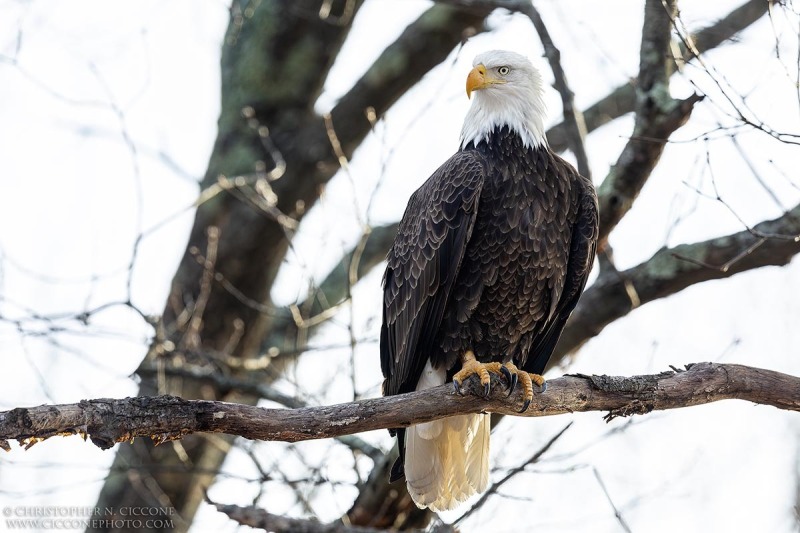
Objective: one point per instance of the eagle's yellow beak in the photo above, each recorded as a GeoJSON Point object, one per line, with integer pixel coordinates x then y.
{"type": "Point", "coordinates": [476, 80]}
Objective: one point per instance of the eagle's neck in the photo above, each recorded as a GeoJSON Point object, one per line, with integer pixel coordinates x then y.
{"type": "Point", "coordinates": [521, 112]}
{"type": "Point", "coordinates": [501, 142]}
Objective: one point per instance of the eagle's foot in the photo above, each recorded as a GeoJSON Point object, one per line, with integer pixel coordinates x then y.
{"type": "Point", "coordinates": [470, 366]}
{"type": "Point", "coordinates": [526, 380]}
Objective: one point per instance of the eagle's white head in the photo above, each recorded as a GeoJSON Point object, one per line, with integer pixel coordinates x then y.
{"type": "Point", "coordinates": [508, 92]}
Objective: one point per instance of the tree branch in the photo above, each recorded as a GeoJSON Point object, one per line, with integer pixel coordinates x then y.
{"type": "Point", "coordinates": [658, 115]}
{"type": "Point", "coordinates": [670, 270]}
{"type": "Point", "coordinates": [574, 123]}
{"type": "Point", "coordinates": [164, 418]}
{"type": "Point", "coordinates": [259, 518]}
{"type": "Point", "coordinates": [726, 28]}
{"type": "Point", "coordinates": [334, 287]}
{"type": "Point", "coordinates": [622, 100]}
{"type": "Point", "coordinates": [492, 490]}
{"type": "Point", "coordinates": [420, 48]}
{"type": "Point", "coordinates": [225, 382]}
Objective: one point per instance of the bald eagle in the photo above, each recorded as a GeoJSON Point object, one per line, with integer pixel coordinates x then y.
{"type": "Point", "coordinates": [490, 258]}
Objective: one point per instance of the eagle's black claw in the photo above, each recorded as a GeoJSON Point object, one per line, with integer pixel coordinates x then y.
{"type": "Point", "coordinates": [511, 379]}
{"type": "Point", "coordinates": [543, 387]}
{"type": "Point", "coordinates": [525, 406]}
{"type": "Point", "coordinates": [457, 386]}
{"type": "Point", "coordinates": [487, 389]}
{"type": "Point", "coordinates": [506, 373]}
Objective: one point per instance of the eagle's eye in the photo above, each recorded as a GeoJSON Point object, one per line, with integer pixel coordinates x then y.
{"type": "Point", "coordinates": [503, 70]}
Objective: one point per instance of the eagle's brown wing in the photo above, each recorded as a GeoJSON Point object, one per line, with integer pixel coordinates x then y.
{"type": "Point", "coordinates": [583, 244]}
{"type": "Point", "coordinates": [423, 264]}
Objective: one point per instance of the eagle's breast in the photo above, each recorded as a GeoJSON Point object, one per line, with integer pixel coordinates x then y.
{"type": "Point", "coordinates": [515, 265]}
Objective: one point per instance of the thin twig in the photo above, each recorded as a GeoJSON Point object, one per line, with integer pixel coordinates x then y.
{"type": "Point", "coordinates": [533, 459]}
{"type": "Point", "coordinates": [617, 513]}
{"type": "Point", "coordinates": [573, 117]}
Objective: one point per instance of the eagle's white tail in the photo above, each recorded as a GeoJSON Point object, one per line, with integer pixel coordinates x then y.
{"type": "Point", "coordinates": [447, 460]}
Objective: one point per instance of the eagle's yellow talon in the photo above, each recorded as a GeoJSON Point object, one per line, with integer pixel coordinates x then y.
{"type": "Point", "coordinates": [526, 380]}
{"type": "Point", "coordinates": [539, 380]}
{"type": "Point", "coordinates": [470, 366]}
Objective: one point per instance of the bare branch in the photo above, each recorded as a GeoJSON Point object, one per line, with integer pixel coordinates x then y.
{"type": "Point", "coordinates": [423, 46]}
{"type": "Point", "coordinates": [164, 418]}
{"type": "Point", "coordinates": [258, 518]}
{"type": "Point", "coordinates": [533, 459]}
{"type": "Point", "coordinates": [671, 270]}
{"type": "Point", "coordinates": [621, 100]}
{"type": "Point", "coordinates": [641, 154]}
{"type": "Point", "coordinates": [658, 115]}
{"type": "Point", "coordinates": [334, 287]}
{"type": "Point", "coordinates": [249, 260]}
{"type": "Point", "coordinates": [261, 390]}
{"type": "Point", "coordinates": [624, 525]}
{"type": "Point", "coordinates": [574, 123]}
{"type": "Point", "coordinates": [726, 28]}
{"type": "Point", "coordinates": [380, 504]}
{"type": "Point", "coordinates": [261, 519]}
